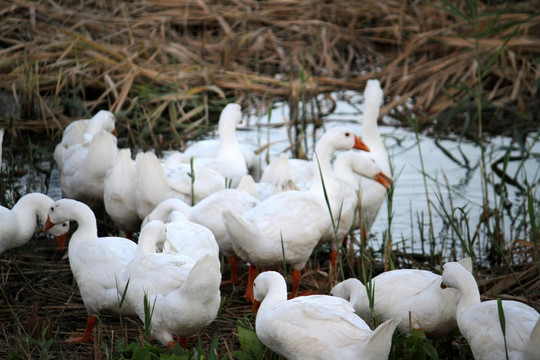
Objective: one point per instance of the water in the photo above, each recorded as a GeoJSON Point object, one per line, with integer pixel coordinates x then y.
{"type": "Point", "coordinates": [452, 181]}
{"type": "Point", "coordinates": [459, 183]}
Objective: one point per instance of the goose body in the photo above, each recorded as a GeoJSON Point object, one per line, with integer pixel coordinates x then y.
{"type": "Point", "coordinates": [226, 154]}
{"type": "Point", "coordinates": [154, 186]}
{"type": "Point", "coordinates": [287, 226]}
{"type": "Point", "coordinates": [207, 213]}
{"type": "Point", "coordinates": [84, 158]}
{"type": "Point", "coordinates": [406, 294]}
{"type": "Point", "coordinates": [350, 167]}
{"type": "Point", "coordinates": [533, 345]}
{"type": "Point", "coordinates": [303, 173]}
{"type": "Point", "coordinates": [479, 321]}
{"type": "Point", "coordinates": [183, 294]}
{"type": "Point", "coordinates": [207, 180]}
{"type": "Point", "coordinates": [315, 327]}
{"type": "Point", "coordinates": [18, 224]}
{"type": "Point", "coordinates": [80, 131]}
{"type": "Point", "coordinates": [276, 177]}
{"type": "Point", "coordinates": [373, 194]}
{"type": "Point", "coordinates": [94, 261]}
{"type": "Point", "coordinates": [189, 238]}
{"type": "Point", "coordinates": [119, 193]}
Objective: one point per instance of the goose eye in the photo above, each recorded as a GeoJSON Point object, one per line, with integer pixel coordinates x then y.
{"type": "Point", "coordinates": [347, 134]}
{"type": "Point", "coordinates": [52, 208]}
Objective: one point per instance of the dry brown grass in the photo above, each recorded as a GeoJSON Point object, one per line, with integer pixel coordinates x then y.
{"type": "Point", "coordinates": [41, 301]}
{"type": "Point", "coordinates": [166, 66]}
{"type": "Point", "coordinates": [163, 58]}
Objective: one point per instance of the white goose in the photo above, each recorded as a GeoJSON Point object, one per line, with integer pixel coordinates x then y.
{"type": "Point", "coordinates": [533, 345]}
{"type": "Point", "coordinates": [81, 131]}
{"type": "Point", "coordinates": [119, 194]}
{"type": "Point", "coordinates": [479, 321]}
{"type": "Point", "coordinates": [189, 238]}
{"type": "Point", "coordinates": [207, 212]}
{"type": "Point", "coordinates": [95, 261]}
{"type": "Point", "coordinates": [229, 160]}
{"type": "Point", "coordinates": [373, 194]}
{"type": "Point", "coordinates": [276, 177]}
{"type": "Point", "coordinates": [19, 224]}
{"type": "Point", "coordinates": [303, 173]}
{"type": "Point", "coordinates": [414, 296]}
{"type": "Point", "coordinates": [287, 226]}
{"type": "Point", "coordinates": [184, 296]}
{"type": "Point", "coordinates": [155, 185]}
{"type": "Point", "coordinates": [349, 167]}
{"type": "Point", "coordinates": [227, 146]}
{"type": "Point", "coordinates": [315, 327]}
{"type": "Point", "coordinates": [83, 165]}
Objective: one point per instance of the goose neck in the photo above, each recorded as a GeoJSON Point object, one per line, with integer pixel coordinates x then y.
{"type": "Point", "coordinates": [86, 225]}
{"type": "Point", "coordinates": [469, 293]}
{"type": "Point", "coordinates": [26, 210]}
{"type": "Point", "coordinates": [323, 167]}
{"type": "Point", "coordinates": [277, 293]}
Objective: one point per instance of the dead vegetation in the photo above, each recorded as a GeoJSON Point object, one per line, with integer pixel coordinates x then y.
{"type": "Point", "coordinates": [166, 67]}
{"type": "Point", "coordinates": [42, 306]}
{"type": "Point", "coordinates": [173, 62]}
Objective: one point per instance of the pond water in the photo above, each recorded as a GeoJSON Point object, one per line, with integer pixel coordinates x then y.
{"type": "Point", "coordinates": [453, 181]}
{"type": "Point", "coordinates": [453, 178]}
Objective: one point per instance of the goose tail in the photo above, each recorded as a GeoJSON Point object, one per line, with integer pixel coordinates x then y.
{"type": "Point", "coordinates": [381, 338]}
{"type": "Point", "coordinates": [241, 231]}
{"type": "Point", "coordinates": [205, 277]}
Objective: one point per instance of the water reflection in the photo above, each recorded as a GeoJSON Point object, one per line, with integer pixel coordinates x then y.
{"type": "Point", "coordinates": [452, 178]}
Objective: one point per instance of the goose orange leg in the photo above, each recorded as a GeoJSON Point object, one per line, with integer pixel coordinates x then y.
{"type": "Point", "coordinates": [333, 265]}
{"type": "Point", "coordinates": [233, 264]}
{"type": "Point", "coordinates": [182, 340]}
{"type": "Point", "coordinates": [295, 284]}
{"type": "Point", "coordinates": [252, 274]}
{"type": "Point", "coordinates": [87, 336]}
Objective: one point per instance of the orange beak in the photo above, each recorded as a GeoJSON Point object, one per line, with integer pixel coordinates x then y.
{"type": "Point", "coordinates": [114, 132]}
{"type": "Point", "coordinates": [443, 285]}
{"type": "Point", "coordinates": [384, 180]}
{"type": "Point", "coordinates": [61, 240]}
{"type": "Point", "coordinates": [359, 144]}
{"type": "Point", "coordinates": [48, 224]}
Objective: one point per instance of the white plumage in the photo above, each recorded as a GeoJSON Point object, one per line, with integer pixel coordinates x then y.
{"type": "Point", "coordinates": [227, 148]}
{"type": "Point", "coordinates": [182, 294]}
{"type": "Point", "coordinates": [18, 224]}
{"type": "Point", "coordinates": [85, 154]}
{"type": "Point", "coordinates": [95, 261]}
{"type": "Point", "coordinates": [119, 193]}
{"type": "Point", "coordinates": [286, 227]}
{"type": "Point", "coordinates": [207, 213]}
{"type": "Point", "coordinates": [373, 194]}
{"type": "Point", "coordinates": [406, 294]}
{"type": "Point", "coordinates": [315, 327]}
{"type": "Point", "coordinates": [479, 322]}
{"type": "Point", "coordinates": [157, 182]}
{"type": "Point", "coordinates": [229, 159]}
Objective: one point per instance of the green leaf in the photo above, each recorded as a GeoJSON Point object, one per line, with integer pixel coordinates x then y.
{"type": "Point", "coordinates": [249, 342]}
{"type": "Point", "coordinates": [141, 353]}
{"type": "Point", "coordinates": [212, 352]}
{"type": "Point", "coordinates": [502, 322]}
